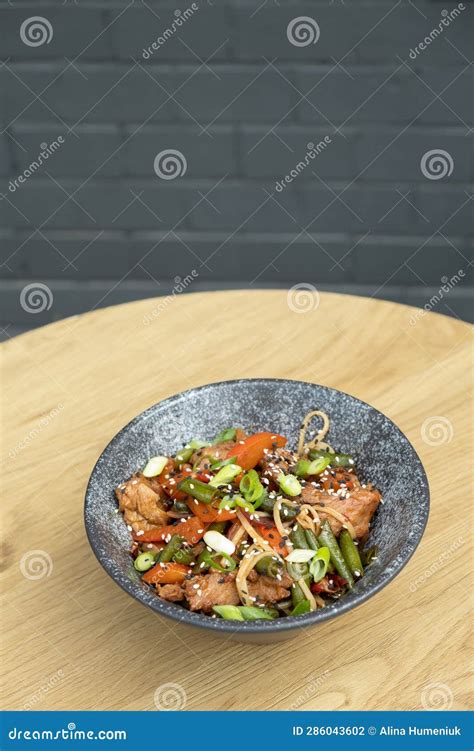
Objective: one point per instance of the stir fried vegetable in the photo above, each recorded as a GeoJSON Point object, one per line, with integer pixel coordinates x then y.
{"type": "Point", "coordinates": [244, 529]}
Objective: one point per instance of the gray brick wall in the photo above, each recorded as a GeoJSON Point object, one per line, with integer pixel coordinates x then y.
{"type": "Point", "coordinates": [230, 92]}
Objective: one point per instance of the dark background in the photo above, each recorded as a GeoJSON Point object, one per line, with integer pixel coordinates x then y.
{"type": "Point", "coordinates": [98, 226]}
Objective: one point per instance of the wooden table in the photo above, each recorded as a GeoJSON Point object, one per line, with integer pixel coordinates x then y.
{"type": "Point", "coordinates": [73, 640]}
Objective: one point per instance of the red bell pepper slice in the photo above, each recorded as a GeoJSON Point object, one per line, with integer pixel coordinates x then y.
{"type": "Point", "coordinates": [192, 530]}
{"type": "Point", "coordinates": [207, 513]}
{"type": "Point", "coordinates": [166, 573]}
{"type": "Point", "coordinates": [251, 451]}
{"type": "Point", "coordinates": [270, 534]}
{"type": "Point", "coordinates": [323, 586]}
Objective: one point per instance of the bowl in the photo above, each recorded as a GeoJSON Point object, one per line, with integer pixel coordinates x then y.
{"type": "Point", "coordinates": [383, 454]}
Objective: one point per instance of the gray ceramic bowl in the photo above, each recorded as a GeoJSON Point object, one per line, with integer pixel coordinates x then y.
{"type": "Point", "coordinates": [383, 455]}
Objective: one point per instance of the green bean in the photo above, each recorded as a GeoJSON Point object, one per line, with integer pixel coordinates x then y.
{"type": "Point", "coordinates": [370, 554]}
{"type": "Point", "coordinates": [297, 595]}
{"type": "Point", "coordinates": [311, 539]}
{"type": "Point", "coordinates": [184, 555]}
{"type": "Point", "coordinates": [181, 507]}
{"type": "Point", "coordinates": [217, 526]}
{"type": "Point", "coordinates": [171, 548]}
{"type": "Point", "coordinates": [202, 563]}
{"type": "Point", "coordinates": [287, 512]}
{"type": "Point", "coordinates": [201, 491]}
{"type": "Point", "coordinates": [269, 566]}
{"type": "Point", "coordinates": [298, 537]}
{"type": "Point", "coordinates": [327, 539]}
{"type": "Point", "coordinates": [351, 553]}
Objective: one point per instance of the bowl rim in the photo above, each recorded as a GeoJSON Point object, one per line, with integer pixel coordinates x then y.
{"type": "Point", "coordinates": [197, 620]}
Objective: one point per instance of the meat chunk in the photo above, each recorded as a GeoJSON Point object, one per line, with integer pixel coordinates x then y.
{"type": "Point", "coordinates": [277, 462]}
{"type": "Point", "coordinates": [141, 504]}
{"type": "Point", "coordinates": [266, 589]}
{"type": "Point", "coordinates": [171, 592]}
{"type": "Point", "coordinates": [206, 590]}
{"type": "Point", "coordinates": [358, 506]}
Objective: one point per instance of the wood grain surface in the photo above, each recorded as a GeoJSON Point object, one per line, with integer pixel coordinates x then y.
{"type": "Point", "coordinates": [72, 639]}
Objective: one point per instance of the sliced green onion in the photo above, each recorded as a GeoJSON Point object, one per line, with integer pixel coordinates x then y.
{"type": "Point", "coordinates": [251, 487]}
{"type": "Point", "coordinates": [225, 475]}
{"type": "Point", "coordinates": [251, 613]}
{"type": "Point", "coordinates": [245, 613]}
{"type": "Point", "coordinates": [302, 608]}
{"type": "Point", "coordinates": [297, 570]}
{"type": "Point", "coordinates": [222, 463]}
{"type": "Point", "coordinates": [183, 455]}
{"type": "Point", "coordinates": [218, 542]}
{"type": "Point", "coordinates": [144, 561]}
{"type": "Point", "coordinates": [196, 444]}
{"type": "Point", "coordinates": [228, 612]}
{"type": "Point", "coordinates": [244, 504]}
{"type": "Point", "coordinates": [319, 565]}
{"type": "Point", "coordinates": [208, 558]}
{"type": "Point", "coordinates": [318, 465]}
{"type": "Point", "coordinates": [225, 435]}
{"type": "Point", "coordinates": [155, 466]}
{"type": "Point", "coordinates": [289, 484]}
{"type": "Point", "coordinates": [302, 467]}
{"type": "Point", "coordinates": [227, 503]}
{"type": "Point", "coordinates": [300, 555]}
{"type": "Point", "coordinates": [336, 460]}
